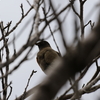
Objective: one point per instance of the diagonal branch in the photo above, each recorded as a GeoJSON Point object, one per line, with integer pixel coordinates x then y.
{"type": "Point", "coordinates": [71, 63]}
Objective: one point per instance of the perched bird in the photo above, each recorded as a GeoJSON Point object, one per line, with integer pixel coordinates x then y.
{"type": "Point", "coordinates": [46, 55]}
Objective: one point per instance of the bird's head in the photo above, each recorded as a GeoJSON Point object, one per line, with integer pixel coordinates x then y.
{"type": "Point", "coordinates": [42, 44]}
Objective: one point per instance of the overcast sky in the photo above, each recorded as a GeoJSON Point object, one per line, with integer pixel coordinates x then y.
{"type": "Point", "coordinates": [10, 11]}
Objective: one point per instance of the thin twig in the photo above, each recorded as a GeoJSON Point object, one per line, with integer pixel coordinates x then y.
{"type": "Point", "coordinates": [51, 31]}
{"type": "Point", "coordinates": [10, 92]}
{"type": "Point", "coordinates": [22, 10]}
{"type": "Point", "coordinates": [18, 23]}
{"type": "Point", "coordinates": [28, 83]}
{"type": "Point", "coordinates": [60, 25]}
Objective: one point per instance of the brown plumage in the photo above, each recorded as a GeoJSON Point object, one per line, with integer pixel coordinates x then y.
{"type": "Point", "coordinates": [46, 55]}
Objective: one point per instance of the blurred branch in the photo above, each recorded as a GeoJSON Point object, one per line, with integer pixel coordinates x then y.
{"type": "Point", "coordinates": [28, 93]}
{"type": "Point", "coordinates": [14, 48]}
{"type": "Point", "coordinates": [64, 96]}
{"type": "Point", "coordinates": [5, 41]}
{"type": "Point", "coordinates": [82, 91]}
{"type": "Point", "coordinates": [96, 73]}
{"type": "Point", "coordinates": [25, 58]}
{"type": "Point", "coordinates": [60, 25]}
{"type": "Point", "coordinates": [80, 16]}
{"type": "Point", "coordinates": [88, 88]}
{"type": "Point", "coordinates": [59, 13]}
{"type": "Point", "coordinates": [95, 7]}
{"type": "Point", "coordinates": [28, 2]}
{"type": "Point", "coordinates": [45, 14]}
{"type": "Point", "coordinates": [6, 87]}
{"type": "Point", "coordinates": [79, 57]}
{"type": "Point", "coordinates": [71, 63]}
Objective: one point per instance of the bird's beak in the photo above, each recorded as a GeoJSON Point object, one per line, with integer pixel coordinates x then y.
{"type": "Point", "coordinates": [36, 43]}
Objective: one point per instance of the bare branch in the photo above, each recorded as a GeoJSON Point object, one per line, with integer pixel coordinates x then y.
{"type": "Point", "coordinates": [22, 10]}
{"type": "Point", "coordinates": [75, 60]}
{"type": "Point", "coordinates": [51, 30]}
{"type": "Point", "coordinates": [10, 92]}
{"type": "Point", "coordinates": [18, 22]}
{"type": "Point", "coordinates": [28, 84]}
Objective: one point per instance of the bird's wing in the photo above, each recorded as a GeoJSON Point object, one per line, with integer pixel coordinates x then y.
{"type": "Point", "coordinates": [45, 57]}
{"type": "Point", "coordinates": [50, 55]}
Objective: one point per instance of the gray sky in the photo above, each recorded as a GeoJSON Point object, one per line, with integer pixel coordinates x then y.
{"type": "Point", "coordinates": [10, 11]}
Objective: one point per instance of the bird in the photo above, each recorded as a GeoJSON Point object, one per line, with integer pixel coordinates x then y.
{"type": "Point", "coordinates": [46, 55]}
